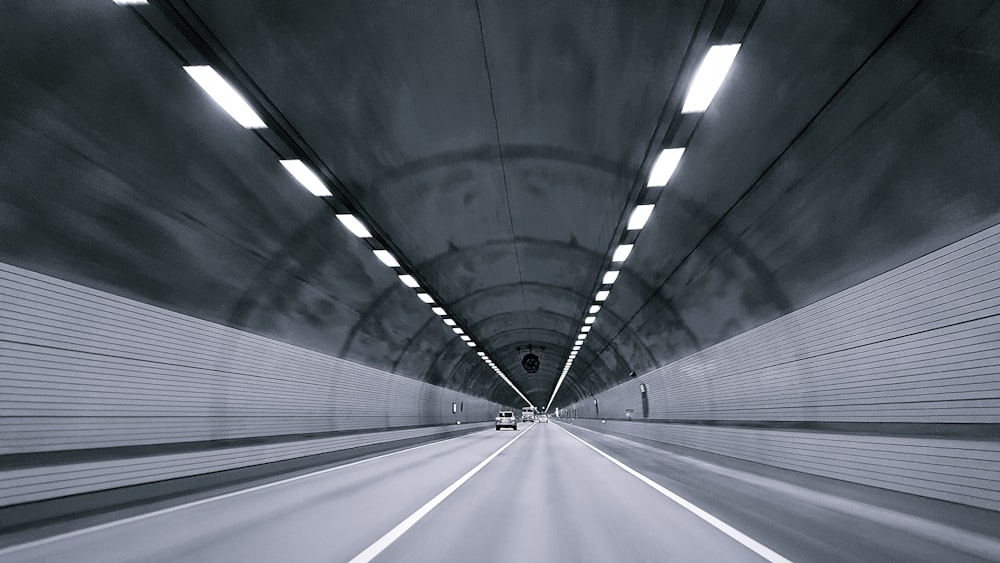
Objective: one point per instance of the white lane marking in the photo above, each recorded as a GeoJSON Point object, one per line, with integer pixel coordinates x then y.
{"type": "Point", "coordinates": [392, 535]}
{"type": "Point", "coordinates": [154, 514]}
{"type": "Point", "coordinates": [747, 541]}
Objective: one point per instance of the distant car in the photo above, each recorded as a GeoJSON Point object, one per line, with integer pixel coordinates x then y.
{"type": "Point", "coordinates": [506, 418]}
{"type": "Point", "coordinates": [543, 418]}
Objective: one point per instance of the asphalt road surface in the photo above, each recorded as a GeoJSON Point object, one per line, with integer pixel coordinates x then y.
{"type": "Point", "coordinates": [537, 494]}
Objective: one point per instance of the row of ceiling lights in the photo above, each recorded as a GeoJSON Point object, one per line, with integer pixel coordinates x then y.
{"type": "Point", "coordinates": [236, 105]}
{"type": "Point", "coordinates": [704, 85]}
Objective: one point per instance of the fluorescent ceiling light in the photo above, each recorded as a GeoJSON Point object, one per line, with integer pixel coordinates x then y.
{"type": "Point", "coordinates": [307, 178]}
{"type": "Point", "coordinates": [387, 258]}
{"type": "Point", "coordinates": [225, 95]}
{"type": "Point", "coordinates": [594, 309]}
{"type": "Point", "coordinates": [664, 167]}
{"type": "Point", "coordinates": [426, 298]}
{"type": "Point", "coordinates": [582, 336]}
{"type": "Point", "coordinates": [439, 311]}
{"type": "Point", "coordinates": [610, 277]}
{"type": "Point", "coordinates": [353, 225]}
{"type": "Point", "coordinates": [589, 320]}
{"type": "Point", "coordinates": [579, 342]}
{"type": "Point", "coordinates": [622, 252]}
{"type": "Point", "coordinates": [602, 295]}
{"type": "Point", "coordinates": [575, 348]}
{"type": "Point", "coordinates": [449, 322]}
{"type": "Point", "coordinates": [586, 328]}
{"type": "Point", "coordinates": [465, 338]}
{"type": "Point", "coordinates": [458, 330]}
{"type": "Point", "coordinates": [639, 216]}
{"type": "Point", "coordinates": [709, 77]}
{"type": "Point", "coordinates": [471, 344]}
{"type": "Point", "coordinates": [408, 281]}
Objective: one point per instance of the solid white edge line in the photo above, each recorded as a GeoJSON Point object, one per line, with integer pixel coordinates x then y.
{"type": "Point", "coordinates": [40, 542]}
{"type": "Point", "coordinates": [747, 541]}
{"type": "Point", "coordinates": [392, 535]}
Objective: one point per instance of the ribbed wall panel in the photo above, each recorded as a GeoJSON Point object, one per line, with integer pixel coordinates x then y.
{"type": "Point", "coordinates": [86, 369]}
{"type": "Point", "coordinates": [918, 344]}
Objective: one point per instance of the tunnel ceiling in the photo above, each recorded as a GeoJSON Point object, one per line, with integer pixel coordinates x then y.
{"type": "Point", "coordinates": [498, 149]}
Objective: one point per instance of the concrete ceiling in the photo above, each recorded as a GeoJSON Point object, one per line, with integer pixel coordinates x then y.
{"type": "Point", "coordinates": [498, 147]}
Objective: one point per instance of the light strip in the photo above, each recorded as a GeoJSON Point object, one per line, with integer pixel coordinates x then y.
{"type": "Point", "coordinates": [622, 252]}
{"type": "Point", "coordinates": [594, 309]}
{"type": "Point", "coordinates": [664, 167]}
{"type": "Point", "coordinates": [225, 95]}
{"type": "Point", "coordinates": [610, 277]}
{"type": "Point", "coordinates": [353, 225]}
{"type": "Point", "coordinates": [439, 311]}
{"type": "Point", "coordinates": [387, 258]}
{"type": "Point", "coordinates": [131, 2]}
{"type": "Point", "coordinates": [408, 281]}
{"type": "Point", "coordinates": [449, 322]}
{"type": "Point", "coordinates": [589, 320]}
{"type": "Point", "coordinates": [426, 298]}
{"type": "Point", "coordinates": [709, 77]}
{"type": "Point", "coordinates": [602, 295]}
{"type": "Point", "coordinates": [639, 217]}
{"type": "Point", "coordinates": [306, 177]}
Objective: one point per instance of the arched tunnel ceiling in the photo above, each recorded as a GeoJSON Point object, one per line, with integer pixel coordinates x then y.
{"type": "Point", "coordinates": [499, 146]}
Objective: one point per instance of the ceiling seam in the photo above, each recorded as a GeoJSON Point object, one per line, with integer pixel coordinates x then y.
{"type": "Point", "coordinates": [503, 170]}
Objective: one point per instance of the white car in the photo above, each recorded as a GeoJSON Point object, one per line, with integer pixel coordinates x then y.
{"type": "Point", "coordinates": [506, 419]}
{"type": "Point", "coordinates": [542, 418]}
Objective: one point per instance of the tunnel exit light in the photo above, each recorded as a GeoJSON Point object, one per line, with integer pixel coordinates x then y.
{"type": "Point", "coordinates": [353, 225]}
{"type": "Point", "coordinates": [621, 253]}
{"type": "Point", "coordinates": [225, 95]}
{"type": "Point", "coordinates": [664, 167]}
{"type": "Point", "coordinates": [306, 177]}
{"type": "Point", "coordinates": [709, 77]}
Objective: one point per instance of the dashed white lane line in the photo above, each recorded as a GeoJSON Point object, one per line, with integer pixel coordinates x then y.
{"type": "Point", "coordinates": [747, 541]}
{"type": "Point", "coordinates": [392, 535]}
{"type": "Point", "coordinates": [52, 539]}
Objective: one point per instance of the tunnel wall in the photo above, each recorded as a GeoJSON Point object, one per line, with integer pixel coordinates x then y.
{"type": "Point", "coordinates": [101, 389]}
{"type": "Point", "coordinates": [894, 382]}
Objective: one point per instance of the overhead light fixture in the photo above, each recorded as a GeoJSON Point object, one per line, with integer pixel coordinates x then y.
{"type": "Point", "coordinates": [131, 2]}
{"type": "Point", "coordinates": [309, 180]}
{"type": "Point", "coordinates": [471, 344]}
{"type": "Point", "coordinates": [610, 277]}
{"type": "Point", "coordinates": [602, 295]}
{"type": "Point", "coordinates": [387, 258]}
{"type": "Point", "coordinates": [594, 309]}
{"type": "Point", "coordinates": [583, 336]}
{"type": "Point", "coordinates": [426, 298]}
{"type": "Point", "coordinates": [639, 216]}
{"type": "Point", "coordinates": [575, 348]}
{"type": "Point", "coordinates": [449, 322]}
{"type": "Point", "coordinates": [589, 320]}
{"type": "Point", "coordinates": [225, 95]}
{"type": "Point", "coordinates": [465, 338]}
{"type": "Point", "coordinates": [579, 342]}
{"type": "Point", "coordinates": [439, 311]}
{"type": "Point", "coordinates": [664, 167]}
{"type": "Point", "coordinates": [622, 252]}
{"type": "Point", "coordinates": [458, 330]}
{"type": "Point", "coordinates": [408, 280]}
{"type": "Point", "coordinates": [709, 77]}
{"type": "Point", "coordinates": [586, 328]}
{"type": "Point", "coordinates": [353, 225]}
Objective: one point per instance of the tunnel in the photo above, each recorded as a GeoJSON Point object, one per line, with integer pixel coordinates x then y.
{"type": "Point", "coordinates": [500, 280]}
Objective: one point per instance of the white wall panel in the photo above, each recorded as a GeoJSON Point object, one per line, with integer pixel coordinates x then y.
{"type": "Point", "coordinates": [85, 369]}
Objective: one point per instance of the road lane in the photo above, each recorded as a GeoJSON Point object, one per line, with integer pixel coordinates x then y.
{"type": "Point", "coordinates": [326, 517]}
{"type": "Point", "coordinates": [550, 498]}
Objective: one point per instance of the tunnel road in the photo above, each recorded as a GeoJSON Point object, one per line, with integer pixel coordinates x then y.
{"type": "Point", "coordinates": [540, 493]}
